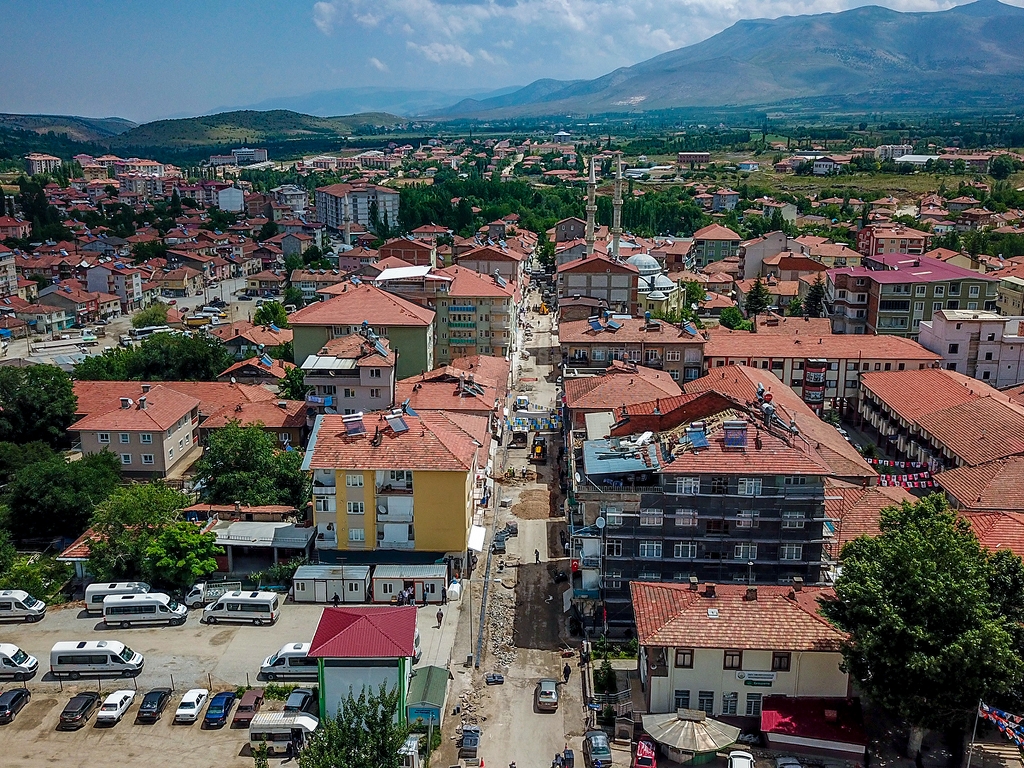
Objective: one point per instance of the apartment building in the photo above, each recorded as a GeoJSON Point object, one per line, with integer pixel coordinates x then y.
{"type": "Point", "coordinates": [712, 243]}
{"type": "Point", "coordinates": [983, 345]}
{"type": "Point", "coordinates": [880, 239]}
{"type": "Point", "coordinates": [40, 163]}
{"type": "Point", "coordinates": [16, 228]}
{"type": "Point", "coordinates": [476, 314]}
{"type": "Point", "coordinates": [420, 253]}
{"type": "Point", "coordinates": [508, 262]}
{"type": "Point", "coordinates": [151, 435]}
{"type": "Point", "coordinates": [393, 485]}
{"type": "Point", "coordinates": [897, 293]}
{"type": "Point", "coordinates": [656, 344]}
{"type": "Point", "coordinates": [722, 648]}
{"type": "Point", "coordinates": [343, 206]}
{"type": "Point", "coordinates": [351, 373]}
{"type": "Point", "coordinates": [601, 277]}
{"type": "Point", "coordinates": [8, 273]}
{"type": "Point", "coordinates": [123, 282]}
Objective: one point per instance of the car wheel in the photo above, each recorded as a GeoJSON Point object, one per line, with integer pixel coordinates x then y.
{"type": "Point", "coordinates": [258, 622]}
{"type": "Point", "coordinates": [125, 624]}
{"type": "Point", "coordinates": [74, 675]}
{"type": "Point", "coordinates": [178, 622]}
{"type": "Point", "coordinates": [271, 676]}
{"type": "Point", "coordinates": [212, 620]}
{"type": "Point", "coordinates": [19, 676]}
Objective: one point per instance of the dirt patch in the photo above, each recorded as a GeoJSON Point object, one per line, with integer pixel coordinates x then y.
{"type": "Point", "coordinates": [538, 615]}
{"type": "Point", "coordinates": [536, 504]}
{"type": "Point", "coordinates": [557, 534]}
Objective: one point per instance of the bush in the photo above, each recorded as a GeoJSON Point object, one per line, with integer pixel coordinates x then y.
{"type": "Point", "coordinates": [41, 576]}
{"type": "Point", "coordinates": [604, 678]}
{"type": "Point", "coordinates": [278, 691]}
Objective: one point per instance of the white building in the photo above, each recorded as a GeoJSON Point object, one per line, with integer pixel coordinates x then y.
{"type": "Point", "coordinates": [231, 199]}
{"type": "Point", "coordinates": [342, 206]}
{"type": "Point", "coordinates": [292, 196]}
{"type": "Point", "coordinates": [892, 151]}
{"type": "Point", "coordinates": [723, 648]}
{"type": "Point", "coordinates": [39, 163]}
{"type": "Point", "coordinates": [983, 345]}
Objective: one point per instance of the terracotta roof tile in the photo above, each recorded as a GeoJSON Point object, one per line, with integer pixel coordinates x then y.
{"type": "Point", "coordinates": [857, 509]}
{"type": "Point", "coordinates": [999, 530]}
{"type": "Point", "coordinates": [801, 339]}
{"type": "Point", "coordinates": [277, 368]}
{"type": "Point", "coordinates": [620, 384]}
{"type": "Point", "coordinates": [633, 329]}
{"type": "Point", "coordinates": [358, 303]}
{"type": "Point", "coordinates": [994, 485]}
{"type": "Point", "coordinates": [715, 232]}
{"type": "Point", "coordinates": [164, 406]}
{"type": "Point", "coordinates": [103, 396]}
{"type": "Point", "coordinates": [269, 413]}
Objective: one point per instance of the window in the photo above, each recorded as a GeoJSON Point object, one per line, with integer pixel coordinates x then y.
{"type": "Point", "coordinates": [684, 660]}
{"type": "Point", "coordinates": [326, 504]}
{"type": "Point", "coordinates": [745, 552]}
{"type": "Point", "coordinates": [954, 348]}
{"type": "Point", "coordinates": [919, 306]}
{"type": "Point", "coordinates": [748, 519]}
{"type": "Point", "coordinates": [375, 373]}
{"type": "Point", "coordinates": [749, 486]}
{"type": "Point", "coordinates": [147, 458]}
{"type": "Point", "coordinates": [613, 548]}
{"type": "Point", "coordinates": [650, 549]}
{"type": "Point", "coordinates": [674, 375]}
{"type": "Point", "coordinates": [354, 481]}
{"type": "Point", "coordinates": [672, 355]}
{"type": "Point", "coordinates": [649, 576]}
{"type": "Point", "coordinates": [988, 355]}
{"type": "Point", "coordinates": [613, 517]}
{"type": "Point", "coordinates": [991, 337]}
{"type": "Point", "coordinates": [706, 702]}
{"type": "Point", "coordinates": [170, 453]}
{"type": "Point", "coordinates": [781, 661]}
{"type": "Point", "coordinates": [651, 517]}
{"type": "Point", "coordinates": [125, 438]}
{"type": "Point", "coordinates": [103, 437]}
{"type": "Point", "coordinates": [973, 291]}
{"type": "Point", "coordinates": [684, 549]}
{"type": "Point", "coordinates": [349, 393]}
{"type": "Point", "coordinates": [791, 552]}
{"type": "Point", "coordinates": [126, 458]}
{"type": "Point", "coordinates": [375, 394]}
{"type": "Point", "coordinates": [795, 480]}
{"type": "Point", "coordinates": [730, 701]}
{"type": "Point", "coordinates": [688, 486]}
{"type": "Point", "coordinates": [355, 507]}
{"type": "Point", "coordinates": [793, 519]}
{"type": "Point", "coordinates": [936, 306]}
{"type": "Point", "coordinates": [682, 699]}
{"type": "Point", "coordinates": [733, 660]}
{"type": "Point", "coordinates": [614, 580]}
{"type": "Point", "coordinates": [950, 366]}
{"type": "Point", "coordinates": [686, 518]}
{"type": "Point", "coordinates": [719, 485]}
{"type": "Point", "coordinates": [387, 587]}
{"type": "Point", "coordinates": [716, 527]}
{"type": "Point", "coordinates": [146, 438]}
{"type": "Point", "coordinates": [181, 442]}
{"type": "Point", "coordinates": [920, 290]}
{"type": "Point", "coordinates": [940, 290]}
{"type": "Point", "coordinates": [356, 534]}
{"type": "Point", "coordinates": [753, 705]}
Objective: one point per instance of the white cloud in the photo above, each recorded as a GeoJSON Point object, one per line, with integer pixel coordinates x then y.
{"type": "Point", "coordinates": [442, 53]}
{"type": "Point", "coordinates": [324, 15]}
{"type": "Point", "coordinates": [378, 64]}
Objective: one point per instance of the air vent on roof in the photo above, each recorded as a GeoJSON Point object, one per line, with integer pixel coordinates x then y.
{"type": "Point", "coordinates": [712, 613]}
{"type": "Point", "coordinates": [354, 424]}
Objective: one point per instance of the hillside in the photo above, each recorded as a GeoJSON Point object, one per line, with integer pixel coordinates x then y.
{"type": "Point", "coordinates": [247, 126]}
{"type": "Point", "coordinates": [870, 55]}
{"type": "Point", "coordinates": [76, 128]}
{"type": "Point", "coordinates": [396, 101]}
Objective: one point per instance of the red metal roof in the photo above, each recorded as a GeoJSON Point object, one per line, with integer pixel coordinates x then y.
{"type": "Point", "coordinates": [365, 632]}
{"type": "Point", "coordinates": [806, 718]}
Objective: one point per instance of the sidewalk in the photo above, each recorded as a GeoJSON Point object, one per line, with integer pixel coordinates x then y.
{"type": "Point", "coordinates": [436, 644]}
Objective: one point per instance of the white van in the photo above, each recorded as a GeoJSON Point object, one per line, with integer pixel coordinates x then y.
{"type": "Point", "coordinates": [292, 661]}
{"type": "Point", "coordinates": [19, 604]}
{"type": "Point", "coordinates": [257, 607]}
{"type": "Point", "coordinates": [15, 663]}
{"type": "Point", "coordinates": [94, 657]}
{"type": "Point", "coordinates": [145, 608]}
{"type": "Point", "coordinates": [279, 730]}
{"type": "Point", "coordinates": [96, 593]}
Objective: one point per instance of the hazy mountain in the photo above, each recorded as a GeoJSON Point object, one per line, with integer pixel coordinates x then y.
{"type": "Point", "coordinates": [396, 101]}
{"type": "Point", "coordinates": [77, 128]}
{"type": "Point", "coordinates": [957, 57]}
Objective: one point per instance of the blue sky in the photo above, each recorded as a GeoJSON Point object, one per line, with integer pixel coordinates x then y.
{"type": "Point", "coordinates": [148, 59]}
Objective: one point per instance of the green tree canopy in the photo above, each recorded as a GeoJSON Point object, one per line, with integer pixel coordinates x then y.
{"type": "Point", "coordinates": [758, 300]}
{"type": "Point", "coordinates": [293, 386]}
{"type": "Point", "coordinates": [271, 313]}
{"type": "Point", "coordinates": [161, 357]}
{"type": "Point", "coordinates": [1002, 167]}
{"type": "Point", "coordinates": [14, 457]}
{"type": "Point", "coordinates": [154, 314]}
{"type": "Point", "coordinates": [363, 734]}
{"type": "Point", "coordinates": [38, 404]}
{"type": "Point", "coordinates": [242, 463]}
{"type": "Point", "coordinates": [181, 554]}
{"type": "Point", "coordinates": [814, 302]}
{"type": "Point", "coordinates": [933, 619]}
{"type": "Point", "coordinates": [732, 318]}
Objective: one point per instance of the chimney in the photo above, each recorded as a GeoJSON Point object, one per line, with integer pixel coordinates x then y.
{"type": "Point", "coordinates": [798, 583]}
{"type": "Point", "coordinates": [282, 404]}
{"type": "Point", "coordinates": [142, 403]}
{"type": "Point", "coordinates": [238, 508]}
{"type": "Point", "coordinates": [126, 402]}
{"type": "Point", "coordinates": [693, 583]}
{"type": "Point", "coordinates": [146, 387]}
{"type": "Point", "coordinates": [751, 593]}
{"type": "Point", "coordinates": [709, 589]}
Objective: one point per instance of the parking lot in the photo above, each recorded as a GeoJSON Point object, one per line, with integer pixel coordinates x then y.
{"type": "Point", "coordinates": [194, 655]}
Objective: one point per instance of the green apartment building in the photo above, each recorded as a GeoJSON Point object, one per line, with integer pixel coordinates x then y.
{"type": "Point", "coordinates": [476, 315]}
{"type": "Point", "coordinates": [712, 243]}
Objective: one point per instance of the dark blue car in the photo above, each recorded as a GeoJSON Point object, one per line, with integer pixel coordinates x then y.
{"type": "Point", "coordinates": [219, 710]}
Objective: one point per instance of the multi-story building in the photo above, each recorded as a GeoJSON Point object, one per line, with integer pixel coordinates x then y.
{"type": "Point", "coordinates": [16, 228]}
{"type": "Point", "coordinates": [409, 328]}
{"type": "Point", "coordinates": [721, 648]}
{"type": "Point", "coordinates": [8, 273]}
{"type": "Point", "coordinates": [123, 282]}
{"type": "Point", "coordinates": [247, 156]}
{"type": "Point", "coordinates": [312, 281]}
{"type": "Point", "coordinates": [150, 435]}
{"type": "Point", "coordinates": [657, 344]}
{"type": "Point", "coordinates": [712, 243]}
{"type": "Point", "coordinates": [292, 196]}
{"type": "Point", "coordinates": [343, 206]}
{"type": "Point", "coordinates": [897, 293]}
{"type": "Point", "coordinates": [880, 239]}
{"type": "Point", "coordinates": [40, 163]}
{"type": "Point", "coordinates": [601, 277]}
{"type": "Point", "coordinates": [508, 262]}
{"type": "Point", "coordinates": [892, 151]}
{"type": "Point", "coordinates": [983, 345]}
{"type": "Point", "coordinates": [476, 314]}
{"type": "Point", "coordinates": [82, 306]}
{"type": "Point", "coordinates": [1010, 293]}
{"type": "Point", "coordinates": [569, 229]}
{"type": "Point", "coordinates": [395, 485]}
{"type": "Point", "coordinates": [692, 159]}
{"type": "Point", "coordinates": [351, 373]}
{"type": "Point", "coordinates": [419, 253]}
{"type": "Point", "coordinates": [824, 370]}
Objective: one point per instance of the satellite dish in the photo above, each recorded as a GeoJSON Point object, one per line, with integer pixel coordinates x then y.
{"type": "Point", "coordinates": [600, 522]}
{"type": "Point", "coordinates": [577, 477]}
{"type": "Point", "coordinates": [233, 380]}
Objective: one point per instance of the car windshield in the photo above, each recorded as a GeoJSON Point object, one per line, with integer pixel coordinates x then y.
{"type": "Point", "coordinates": [173, 605]}
{"type": "Point", "coordinates": [272, 660]}
{"type": "Point", "coordinates": [215, 709]}
{"type": "Point", "coordinates": [19, 657]}
{"type": "Point", "coordinates": [127, 654]}
{"type": "Point", "coordinates": [110, 706]}
{"type": "Point", "coordinates": [187, 705]}
{"type": "Point", "coordinates": [30, 602]}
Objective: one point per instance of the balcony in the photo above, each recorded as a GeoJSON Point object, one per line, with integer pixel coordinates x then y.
{"type": "Point", "coordinates": [469, 308]}
{"type": "Point", "coordinates": [323, 490]}
{"type": "Point", "coordinates": [394, 510]}
{"type": "Point", "coordinates": [462, 342]}
{"type": "Point", "coordinates": [461, 324]}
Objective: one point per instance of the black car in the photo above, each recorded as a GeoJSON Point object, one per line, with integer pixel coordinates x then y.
{"type": "Point", "coordinates": [153, 704]}
{"type": "Point", "coordinates": [79, 710]}
{"type": "Point", "coordinates": [12, 702]}
{"type": "Point", "coordinates": [298, 700]}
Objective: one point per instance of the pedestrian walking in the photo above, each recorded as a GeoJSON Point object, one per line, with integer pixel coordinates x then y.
{"type": "Point", "coordinates": [566, 671]}
{"type": "Point", "coordinates": [444, 596]}
{"type": "Point", "coordinates": [536, 555]}
{"type": "Point", "coordinates": [335, 600]}
{"type": "Point", "coordinates": [440, 617]}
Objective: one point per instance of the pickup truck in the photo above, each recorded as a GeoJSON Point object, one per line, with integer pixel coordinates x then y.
{"type": "Point", "coordinates": [202, 593]}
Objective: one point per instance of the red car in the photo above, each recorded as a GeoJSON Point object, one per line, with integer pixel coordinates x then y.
{"type": "Point", "coordinates": [646, 753]}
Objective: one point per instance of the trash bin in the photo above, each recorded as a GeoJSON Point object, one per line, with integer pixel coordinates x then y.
{"type": "Point", "coordinates": [568, 759]}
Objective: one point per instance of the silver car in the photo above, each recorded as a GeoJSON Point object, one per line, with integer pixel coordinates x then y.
{"type": "Point", "coordinates": [547, 694]}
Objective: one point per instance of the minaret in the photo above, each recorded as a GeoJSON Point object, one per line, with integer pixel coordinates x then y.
{"type": "Point", "coordinates": [616, 229]}
{"type": "Point", "coordinates": [591, 208]}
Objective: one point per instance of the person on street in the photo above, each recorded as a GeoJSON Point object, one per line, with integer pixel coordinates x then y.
{"type": "Point", "coordinates": [335, 600]}
{"type": "Point", "coordinates": [566, 671]}
{"type": "Point", "coordinates": [444, 596]}
{"type": "Point", "coordinates": [536, 555]}
{"type": "Point", "coordinates": [440, 617]}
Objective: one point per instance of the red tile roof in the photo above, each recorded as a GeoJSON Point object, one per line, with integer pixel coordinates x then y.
{"type": "Point", "coordinates": [268, 413]}
{"type": "Point", "coordinates": [597, 261]}
{"type": "Point", "coordinates": [365, 632]}
{"type": "Point", "coordinates": [352, 304]}
{"type": "Point", "coordinates": [467, 282]}
{"type": "Point", "coordinates": [856, 510]}
{"type": "Point", "coordinates": [994, 485]}
{"type": "Point", "coordinates": [780, 619]}
{"type": "Point", "coordinates": [255, 365]}
{"type": "Point", "coordinates": [254, 334]}
{"type": "Point", "coordinates": [634, 329]}
{"type": "Point", "coordinates": [495, 369]}
{"type": "Point", "coordinates": [620, 384]}
{"type": "Point", "coordinates": [355, 347]}
{"type": "Point", "coordinates": [800, 339]}
{"type": "Point", "coordinates": [443, 389]}
{"type": "Point", "coordinates": [998, 530]}
{"type": "Point", "coordinates": [164, 406]}
{"type": "Point", "coordinates": [103, 396]}
{"type": "Point", "coordinates": [715, 232]}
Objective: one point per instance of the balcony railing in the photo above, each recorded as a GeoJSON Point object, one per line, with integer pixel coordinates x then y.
{"type": "Point", "coordinates": [461, 324]}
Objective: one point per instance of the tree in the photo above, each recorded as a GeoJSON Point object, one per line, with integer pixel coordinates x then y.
{"type": "Point", "coordinates": [795, 307]}
{"type": "Point", "coordinates": [363, 733]}
{"type": "Point", "coordinates": [1002, 167]}
{"type": "Point", "coordinates": [38, 403]}
{"type": "Point", "coordinates": [731, 317]}
{"type": "Point", "coordinates": [293, 295]}
{"type": "Point", "coordinates": [181, 554]}
{"type": "Point", "coordinates": [161, 357]}
{"type": "Point", "coordinates": [154, 314]}
{"type": "Point", "coordinates": [293, 385]}
{"type": "Point", "coordinates": [814, 302]}
{"type": "Point", "coordinates": [267, 231]}
{"type": "Point", "coordinates": [14, 457]}
{"type": "Point", "coordinates": [758, 300]}
{"type": "Point", "coordinates": [56, 498]}
{"type": "Point", "coordinates": [932, 618]}
{"type": "Point", "coordinates": [271, 313]}
{"type": "Point", "coordinates": [127, 522]}
{"type": "Point", "coordinates": [259, 756]}
{"type": "Point", "coordinates": [243, 464]}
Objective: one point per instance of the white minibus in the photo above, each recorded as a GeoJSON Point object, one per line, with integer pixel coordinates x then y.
{"type": "Point", "coordinates": [145, 608]}
{"type": "Point", "coordinates": [257, 607]}
{"type": "Point", "coordinates": [96, 593]}
{"type": "Point", "coordinates": [15, 663]}
{"type": "Point", "coordinates": [279, 730]}
{"type": "Point", "coordinates": [292, 661]}
{"type": "Point", "coordinates": [19, 604]}
{"type": "Point", "coordinates": [94, 657]}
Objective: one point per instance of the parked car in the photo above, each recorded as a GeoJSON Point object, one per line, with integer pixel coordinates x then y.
{"type": "Point", "coordinates": [114, 707]}
{"type": "Point", "coordinates": [741, 759]}
{"type": "Point", "coordinates": [596, 747]}
{"type": "Point", "coordinates": [646, 753]}
{"type": "Point", "coordinates": [191, 705]}
{"type": "Point", "coordinates": [12, 702]}
{"type": "Point", "coordinates": [79, 710]}
{"type": "Point", "coordinates": [219, 709]}
{"type": "Point", "coordinates": [546, 695]}
{"type": "Point", "coordinates": [298, 700]}
{"type": "Point", "coordinates": [248, 706]}
{"type": "Point", "coordinates": [245, 298]}
{"type": "Point", "coordinates": [787, 761]}
{"type": "Point", "coordinates": [153, 704]}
